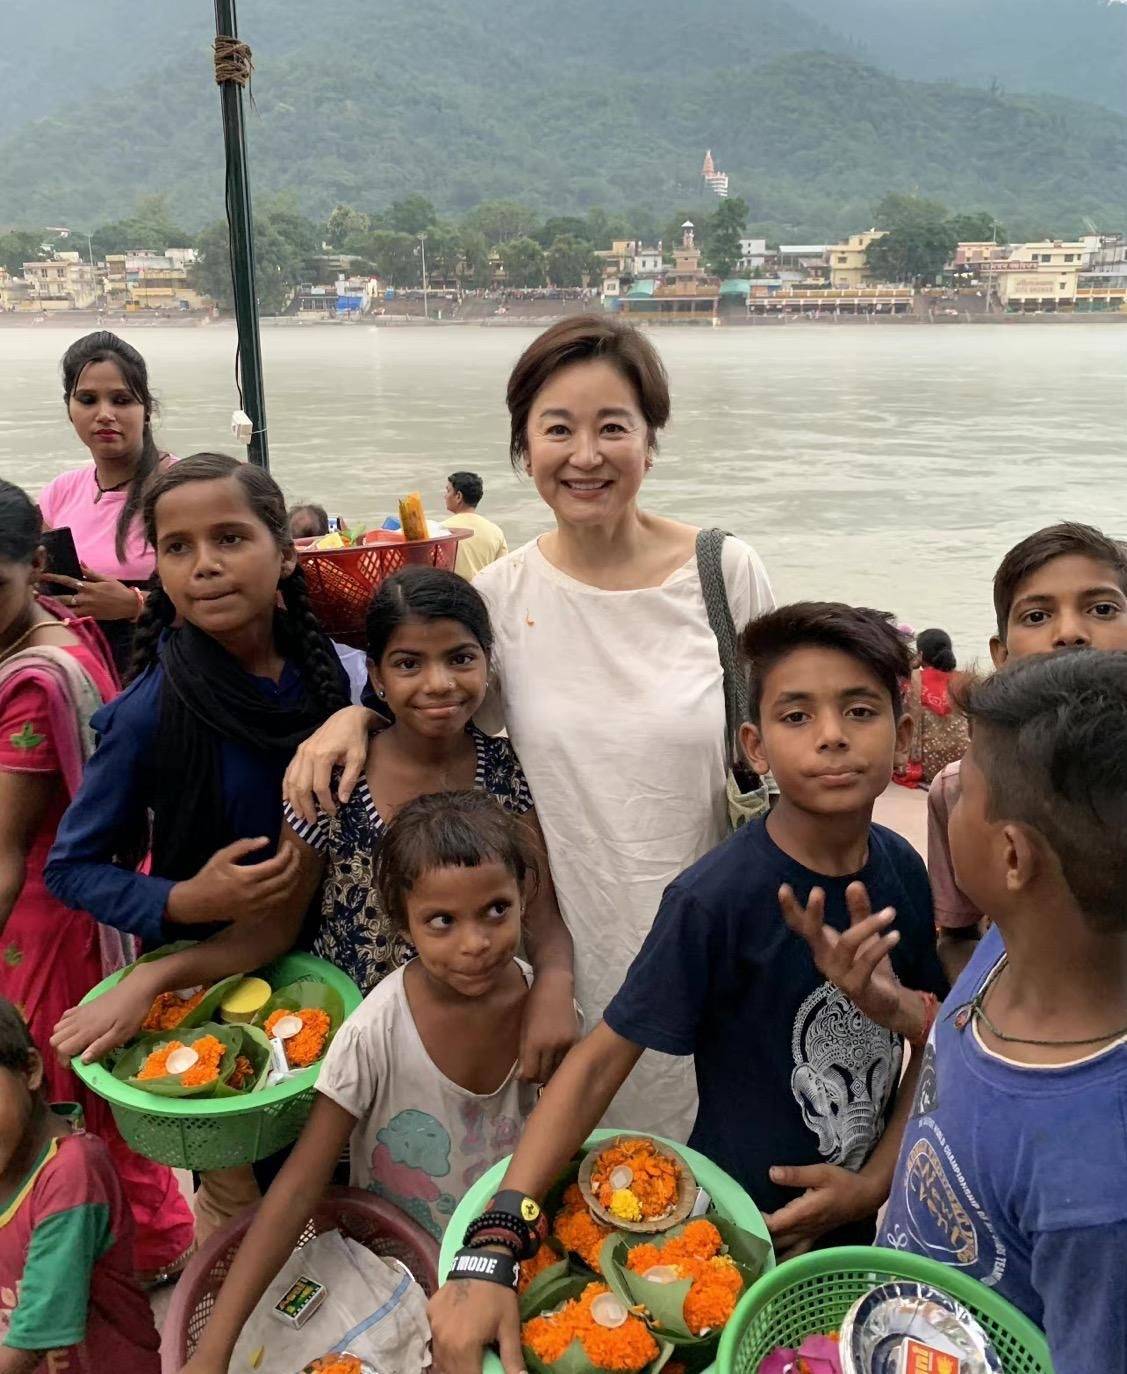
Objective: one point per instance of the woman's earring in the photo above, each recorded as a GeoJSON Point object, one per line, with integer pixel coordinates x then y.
{"type": "Point", "coordinates": [380, 693]}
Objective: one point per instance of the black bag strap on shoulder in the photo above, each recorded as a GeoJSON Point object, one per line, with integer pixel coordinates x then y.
{"type": "Point", "coordinates": [710, 550]}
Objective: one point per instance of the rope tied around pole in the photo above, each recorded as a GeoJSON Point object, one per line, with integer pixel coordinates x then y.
{"type": "Point", "coordinates": [232, 61]}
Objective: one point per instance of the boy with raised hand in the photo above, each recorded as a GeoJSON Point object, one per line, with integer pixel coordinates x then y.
{"type": "Point", "coordinates": [798, 1089]}
{"type": "Point", "coordinates": [1064, 587]}
{"type": "Point", "coordinates": [1014, 1161]}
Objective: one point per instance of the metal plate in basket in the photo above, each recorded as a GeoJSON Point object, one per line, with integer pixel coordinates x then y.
{"type": "Point", "coordinates": [879, 1325]}
{"type": "Point", "coordinates": [814, 1292]}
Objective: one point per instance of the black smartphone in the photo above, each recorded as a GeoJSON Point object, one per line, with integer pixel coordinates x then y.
{"type": "Point", "coordinates": [62, 556]}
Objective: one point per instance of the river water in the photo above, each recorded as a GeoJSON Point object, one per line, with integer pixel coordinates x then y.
{"type": "Point", "coordinates": [890, 466]}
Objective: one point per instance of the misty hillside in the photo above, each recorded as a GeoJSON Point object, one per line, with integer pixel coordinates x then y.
{"type": "Point", "coordinates": [1075, 48]}
{"type": "Point", "coordinates": [563, 106]}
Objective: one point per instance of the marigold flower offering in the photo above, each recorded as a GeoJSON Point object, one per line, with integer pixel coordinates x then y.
{"type": "Point", "coordinates": [335, 1364]}
{"type": "Point", "coordinates": [634, 1182]}
{"type": "Point", "coordinates": [241, 1074]}
{"type": "Point", "coordinates": [306, 1046]}
{"type": "Point", "coordinates": [170, 1008]}
{"type": "Point", "coordinates": [543, 1259]}
{"type": "Point", "coordinates": [695, 1254]}
{"type": "Point", "coordinates": [611, 1336]}
{"type": "Point", "coordinates": [578, 1231]}
{"type": "Point", "coordinates": [203, 1069]}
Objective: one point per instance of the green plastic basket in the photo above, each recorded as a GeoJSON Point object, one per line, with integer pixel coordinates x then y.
{"type": "Point", "coordinates": [814, 1292]}
{"type": "Point", "coordinates": [220, 1133]}
{"type": "Point", "coordinates": [728, 1198]}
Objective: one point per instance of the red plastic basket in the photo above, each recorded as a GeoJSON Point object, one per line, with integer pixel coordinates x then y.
{"type": "Point", "coordinates": [341, 581]}
{"type": "Point", "coordinates": [383, 1229]}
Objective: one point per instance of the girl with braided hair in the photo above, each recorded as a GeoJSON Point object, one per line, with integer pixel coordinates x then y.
{"type": "Point", "coordinates": [225, 683]}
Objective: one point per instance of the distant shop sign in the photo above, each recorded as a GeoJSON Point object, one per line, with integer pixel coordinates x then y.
{"type": "Point", "coordinates": [1040, 285]}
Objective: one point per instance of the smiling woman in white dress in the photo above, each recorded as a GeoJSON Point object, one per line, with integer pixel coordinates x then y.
{"type": "Point", "coordinates": [608, 677]}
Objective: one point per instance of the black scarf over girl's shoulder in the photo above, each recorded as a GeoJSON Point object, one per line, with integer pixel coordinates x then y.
{"type": "Point", "coordinates": [207, 697]}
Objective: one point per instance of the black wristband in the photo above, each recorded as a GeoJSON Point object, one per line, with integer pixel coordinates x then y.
{"type": "Point", "coordinates": [521, 1205]}
{"type": "Point", "coordinates": [486, 1265]}
{"type": "Point", "coordinates": [528, 1241]}
{"type": "Point", "coordinates": [502, 1236]}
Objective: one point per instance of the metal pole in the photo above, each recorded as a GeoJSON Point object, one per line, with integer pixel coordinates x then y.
{"type": "Point", "coordinates": [423, 247]}
{"type": "Point", "coordinates": [241, 229]}
{"type": "Point", "coordinates": [93, 274]}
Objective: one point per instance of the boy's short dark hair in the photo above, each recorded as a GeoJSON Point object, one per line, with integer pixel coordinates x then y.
{"type": "Point", "coordinates": [469, 486]}
{"type": "Point", "coordinates": [1054, 541]}
{"type": "Point", "coordinates": [16, 1043]}
{"type": "Point", "coordinates": [871, 637]}
{"type": "Point", "coordinates": [1050, 736]}
{"type": "Point", "coordinates": [450, 830]}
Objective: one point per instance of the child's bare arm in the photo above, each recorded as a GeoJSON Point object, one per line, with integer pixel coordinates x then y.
{"type": "Point", "coordinates": [551, 1026]}
{"type": "Point", "coordinates": [277, 1224]}
{"type": "Point", "coordinates": [342, 740]}
{"type": "Point", "coordinates": [959, 922]}
{"type": "Point", "coordinates": [572, 1105]}
{"type": "Point", "coordinates": [24, 799]}
{"type": "Point", "coordinates": [467, 1315]}
{"type": "Point", "coordinates": [20, 1361]}
{"type": "Point", "coordinates": [114, 1018]}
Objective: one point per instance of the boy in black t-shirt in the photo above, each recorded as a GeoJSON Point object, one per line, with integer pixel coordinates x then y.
{"type": "Point", "coordinates": [798, 1089]}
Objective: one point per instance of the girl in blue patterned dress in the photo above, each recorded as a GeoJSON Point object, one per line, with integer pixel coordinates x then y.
{"type": "Point", "coordinates": [429, 642]}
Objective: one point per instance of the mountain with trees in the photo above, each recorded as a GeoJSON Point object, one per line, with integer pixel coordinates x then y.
{"type": "Point", "coordinates": [1071, 48]}
{"type": "Point", "coordinates": [548, 108]}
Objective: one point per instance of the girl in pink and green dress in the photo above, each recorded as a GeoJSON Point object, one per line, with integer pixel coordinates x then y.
{"type": "Point", "coordinates": [55, 672]}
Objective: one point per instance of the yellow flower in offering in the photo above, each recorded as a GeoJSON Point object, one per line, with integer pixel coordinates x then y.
{"type": "Point", "coordinates": [625, 1205]}
{"type": "Point", "coordinates": [637, 1167]}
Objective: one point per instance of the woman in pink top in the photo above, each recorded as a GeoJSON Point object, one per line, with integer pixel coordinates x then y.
{"type": "Point", "coordinates": [54, 674]}
{"type": "Point", "coordinates": [106, 389]}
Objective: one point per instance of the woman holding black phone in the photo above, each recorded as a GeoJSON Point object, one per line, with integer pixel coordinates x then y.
{"type": "Point", "coordinates": [106, 390]}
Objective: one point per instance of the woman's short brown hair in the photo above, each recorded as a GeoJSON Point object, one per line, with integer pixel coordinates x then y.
{"type": "Point", "coordinates": [580, 339]}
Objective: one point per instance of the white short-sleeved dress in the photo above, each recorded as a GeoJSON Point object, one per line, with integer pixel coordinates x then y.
{"type": "Point", "coordinates": [615, 703]}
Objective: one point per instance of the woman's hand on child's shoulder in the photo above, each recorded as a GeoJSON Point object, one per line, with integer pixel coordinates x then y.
{"type": "Point", "coordinates": [467, 1315]}
{"type": "Point", "coordinates": [226, 890]}
{"type": "Point", "coordinates": [111, 1020]}
{"type": "Point", "coordinates": [342, 742]}
{"type": "Point", "coordinates": [549, 1029]}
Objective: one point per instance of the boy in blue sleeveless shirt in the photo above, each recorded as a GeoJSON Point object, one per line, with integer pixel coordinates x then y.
{"type": "Point", "coordinates": [1013, 1166]}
